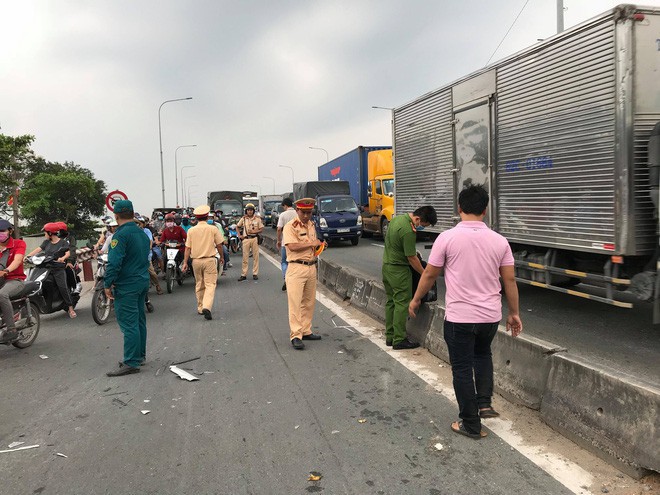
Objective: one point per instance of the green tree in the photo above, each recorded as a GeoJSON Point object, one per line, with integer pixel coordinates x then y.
{"type": "Point", "coordinates": [62, 192]}
{"type": "Point", "coordinates": [16, 157]}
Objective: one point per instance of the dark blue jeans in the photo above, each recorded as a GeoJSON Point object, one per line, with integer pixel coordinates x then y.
{"type": "Point", "coordinates": [472, 368]}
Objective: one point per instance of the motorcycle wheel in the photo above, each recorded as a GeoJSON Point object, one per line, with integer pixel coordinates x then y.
{"type": "Point", "coordinates": [28, 334]}
{"type": "Point", "coordinates": [101, 307]}
{"type": "Point", "coordinates": [179, 279]}
{"type": "Point", "coordinates": [169, 275]}
{"type": "Point", "coordinates": [233, 247]}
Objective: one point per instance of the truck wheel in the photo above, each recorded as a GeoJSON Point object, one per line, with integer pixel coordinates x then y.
{"type": "Point", "coordinates": [384, 225]}
{"type": "Point", "coordinates": [355, 241]}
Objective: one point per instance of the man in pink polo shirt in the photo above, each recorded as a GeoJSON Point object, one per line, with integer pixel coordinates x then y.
{"type": "Point", "coordinates": [473, 259]}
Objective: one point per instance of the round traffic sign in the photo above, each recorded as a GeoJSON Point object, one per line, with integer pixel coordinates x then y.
{"type": "Point", "coordinates": [112, 197]}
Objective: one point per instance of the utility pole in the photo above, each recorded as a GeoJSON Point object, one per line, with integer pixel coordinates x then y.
{"type": "Point", "coordinates": [560, 16]}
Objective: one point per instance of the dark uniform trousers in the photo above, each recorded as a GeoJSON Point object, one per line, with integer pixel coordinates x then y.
{"type": "Point", "coordinates": [129, 309]}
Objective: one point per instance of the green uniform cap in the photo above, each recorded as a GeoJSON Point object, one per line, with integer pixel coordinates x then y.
{"type": "Point", "coordinates": [122, 206]}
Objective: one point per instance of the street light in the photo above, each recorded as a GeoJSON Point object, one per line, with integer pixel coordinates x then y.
{"type": "Point", "coordinates": [184, 185]}
{"type": "Point", "coordinates": [160, 139]}
{"type": "Point", "coordinates": [273, 182]}
{"type": "Point", "coordinates": [391, 118]}
{"type": "Point", "coordinates": [293, 180]}
{"type": "Point", "coordinates": [183, 197]}
{"type": "Point", "coordinates": [191, 186]}
{"type": "Point", "coordinates": [327, 157]}
{"type": "Point", "coordinates": [176, 173]}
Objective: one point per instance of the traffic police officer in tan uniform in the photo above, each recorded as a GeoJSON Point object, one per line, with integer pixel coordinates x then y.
{"type": "Point", "coordinates": [299, 239]}
{"type": "Point", "coordinates": [203, 241]}
{"type": "Point", "coordinates": [252, 226]}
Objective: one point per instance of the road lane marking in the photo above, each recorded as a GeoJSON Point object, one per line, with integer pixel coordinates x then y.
{"type": "Point", "coordinates": [379, 245]}
{"type": "Point", "coordinates": [568, 473]}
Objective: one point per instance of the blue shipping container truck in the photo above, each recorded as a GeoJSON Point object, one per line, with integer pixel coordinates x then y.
{"type": "Point", "coordinates": [351, 167]}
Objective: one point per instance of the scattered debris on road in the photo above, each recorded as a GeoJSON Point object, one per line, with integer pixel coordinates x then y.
{"type": "Point", "coordinates": [184, 375]}
{"type": "Point", "coordinates": [297, 426]}
{"type": "Point", "coordinates": [362, 420]}
{"type": "Point", "coordinates": [314, 476]}
{"type": "Point", "coordinates": [334, 432]}
{"type": "Point", "coordinates": [19, 448]}
{"type": "Point", "coordinates": [439, 446]}
{"type": "Point", "coordinates": [145, 411]}
{"type": "Point", "coordinates": [187, 360]}
{"type": "Point", "coordinates": [43, 356]}
{"type": "Point", "coordinates": [14, 444]}
{"type": "Point", "coordinates": [60, 454]}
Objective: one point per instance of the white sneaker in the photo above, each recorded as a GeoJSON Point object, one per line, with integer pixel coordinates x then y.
{"type": "Point", "coordinates": [78, 288]}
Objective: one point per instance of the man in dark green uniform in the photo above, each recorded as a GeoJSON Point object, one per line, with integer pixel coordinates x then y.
{"type": "Point", "coordinates": [399, 257]}
{"type": "Point", "coordinates": [127, 282]}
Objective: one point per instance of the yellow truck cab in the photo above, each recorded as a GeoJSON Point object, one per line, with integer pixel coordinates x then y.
{"type": "Point", "coordinates": [380, 190]}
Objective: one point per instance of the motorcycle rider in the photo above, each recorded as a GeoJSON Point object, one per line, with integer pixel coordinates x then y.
{"type": "Point", "coordinates": [173, 232]}
{"type": "Point", "coordinates": [12, 252]}
{"type": "Point", "coordinates": [142, 222]}
{"type": "Point", "coordinates": [57, 246]}
{"type": "Point", "coordinates": [185, 223]}
{"type": "Point", "coordinates": [112, 226]}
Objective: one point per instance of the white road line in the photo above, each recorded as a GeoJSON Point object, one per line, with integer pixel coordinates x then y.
{"type": "Point", "coordinates": [560, 468]}
{"type": "Point", "coordinates": [379, 245]}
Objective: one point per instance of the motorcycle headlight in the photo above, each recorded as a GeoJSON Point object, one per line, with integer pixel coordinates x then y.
{"type": "Point", "coordinates": [323, 223]}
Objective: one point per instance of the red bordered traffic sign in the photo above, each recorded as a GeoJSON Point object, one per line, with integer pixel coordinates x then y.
{"type": "Point", "coordinates": [112, 197]}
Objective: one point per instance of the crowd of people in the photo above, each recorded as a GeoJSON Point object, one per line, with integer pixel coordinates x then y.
{"type": "Point", "coordinates": [475, 261]}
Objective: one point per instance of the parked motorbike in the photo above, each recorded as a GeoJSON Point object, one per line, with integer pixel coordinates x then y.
{"type": "Point", "coordinates": [172, 269]}
{"type": "Point", "coordinates": [235, 243]}
{"type": "Point", "coordinates": [102, 306]}
{"type": "Point", "coordinates": [48, 299]}
{"type": "Point", "coordinates": [26, 316]}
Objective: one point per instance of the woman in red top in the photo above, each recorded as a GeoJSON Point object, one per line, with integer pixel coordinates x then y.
{"type": "Point", "coordinates": [12, 252]}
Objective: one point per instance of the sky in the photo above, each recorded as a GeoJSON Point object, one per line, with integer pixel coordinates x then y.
{"type": "Point", "coordinates": [268, 79]}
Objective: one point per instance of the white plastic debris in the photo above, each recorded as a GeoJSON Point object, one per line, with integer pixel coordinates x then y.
{"type": "Point", "coordinates": [334, 432]}
{"type": "Point", "coordinates": [439, 446]}
{"type": "Point", "coordinates": [340, 352]}
{"type": "Point", "coordinates": [20, 448]}
{"type": "Point", "coordinates": [147, 400]}
{"type": "Point", "coordinates": [14, 444]}
{"type": "Point", "coordinates": [297, 426]}
{"type": "Point", "coordinates": [43, 356]}
{"type": "Point", "coordinates": [184, 375]}
{"type": "Point", "coordinates": [145, 411]}
{"type": "Point", "coordinates": [60, 454]}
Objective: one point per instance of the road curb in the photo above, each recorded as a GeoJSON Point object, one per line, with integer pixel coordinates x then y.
{"type": "Point", "coordinates": [568, 392]}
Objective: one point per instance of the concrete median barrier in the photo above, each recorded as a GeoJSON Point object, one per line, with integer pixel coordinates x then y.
{"type": "Point", "coordinates": [522, 365]}
{"type": "Point", "coordinates": [345, 282]}
{"type": "Point", "coordinates": [360, 293]}
{"type": "Point", "coordinates": [435, 341]}
{"type": "Point", "coordinates": [328, 272]}
{"type": "Point", "coordinates": [607, 412]}
{"type": "Point", "coordinates": [377, 299]}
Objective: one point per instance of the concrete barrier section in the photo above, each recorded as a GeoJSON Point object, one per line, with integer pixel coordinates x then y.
{"type": "Point", "coordinates": [360, 293]}
{"type": "Point", "coordinates": [607, 412]}
{"type": "Point", "coordinates": [418, 328]}
{"type": "Point", "coordinates": [435, 341]}
{"type": "Point", "coordinates": [345, 282]}
{"type": "Point", "coordinates": [377, 300]}
{"type": "Point", "coordinates": [328, 273]}
{"type": "Point", "coordinates": [521, 367]}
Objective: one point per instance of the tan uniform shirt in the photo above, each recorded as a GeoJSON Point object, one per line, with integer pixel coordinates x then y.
{"type": "Point", "coordinates": [202, 240]}
{"type": "Point", "coordinates": [251, 225]}
{"type": "Point", "coordinates": [295, 232]}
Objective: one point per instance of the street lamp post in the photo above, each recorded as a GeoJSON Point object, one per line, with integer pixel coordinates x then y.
{"type": "Point", "coordinates": [160, 139]}
{"type": "Point", "coordinates": [257, 186]}
{"type": "Point", "coordinates": [293, 180]}
{"type": "Point", "coordinates": [191, 186]}
{"type": "Point", "coordinates": [327, 157]}
{"type": "Point", "coordinates": [183, 197]}
{"type": "Point", "coordinates": [273, 182]}
{"type": "Point", "coordinates": [184, 186]}
{"type": "Point", "coordinates": [391, 119]}
{"type": "Point", "coordinates": [176, 173]}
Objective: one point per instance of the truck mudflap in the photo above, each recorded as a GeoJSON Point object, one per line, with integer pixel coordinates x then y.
{"type": "Point", "coordinates": [541, 275]}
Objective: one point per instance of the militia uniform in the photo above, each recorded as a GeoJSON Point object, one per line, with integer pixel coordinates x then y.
{"type": "Point", "coordinates": [203, 242]}
{"type": "Point", "coordinates": [127, 274]}
{"type": "Point", "coordinates": [301, 274]}
{"type": "Point", "coordinates": [251, 227]}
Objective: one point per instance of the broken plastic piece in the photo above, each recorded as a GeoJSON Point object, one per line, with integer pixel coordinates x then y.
{"type": "Point", "coordinates": [145, 411]}
{"type": "Point", "coordinates": [438, 446]}
{"type": "Point", "coordinates": [184, 375]}
{"type": "Point", "coordinates": [314, 477]}
{"type": "Point", "coordinates": [15, 444]}
{"type": "Point", "coordinates": [60, 454]}
{"type": "Point", "coordinates": [43, 356]}
{"type": "Point", "coordinates": [362, 420]}
{"type": "Point", "coordinates": [20, 448]}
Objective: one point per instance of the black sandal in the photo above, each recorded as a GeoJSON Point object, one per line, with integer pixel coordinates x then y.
{"type": "Point", "coordinates": [488, 412]}
{"type": "Point", "coordinates": [460, 429]}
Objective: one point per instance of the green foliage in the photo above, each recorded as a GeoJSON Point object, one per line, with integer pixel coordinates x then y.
{"type": "Point", "coordinates": [16, 156]}
{"type": "Point", "coordinates": [62, 192]}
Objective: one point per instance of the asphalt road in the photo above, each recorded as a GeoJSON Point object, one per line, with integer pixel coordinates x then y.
{"type": "Point", "coordinates": [623, 340]}
{"type": "Point", "coordinates": [259, 420]}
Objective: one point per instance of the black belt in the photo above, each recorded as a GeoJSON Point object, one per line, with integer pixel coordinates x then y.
{"type": "Point", "coordinates": [251, 236]}
{"type": "Point", "coordinates": [308, 263]}
{"type": "Point", "coordinates": [203, 257]}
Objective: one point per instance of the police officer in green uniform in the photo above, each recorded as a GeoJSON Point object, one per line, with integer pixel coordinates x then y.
{"type": "Point", "coordinates": [399, 257]}
{"type": "Point", "coordinates": [127, 282]}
